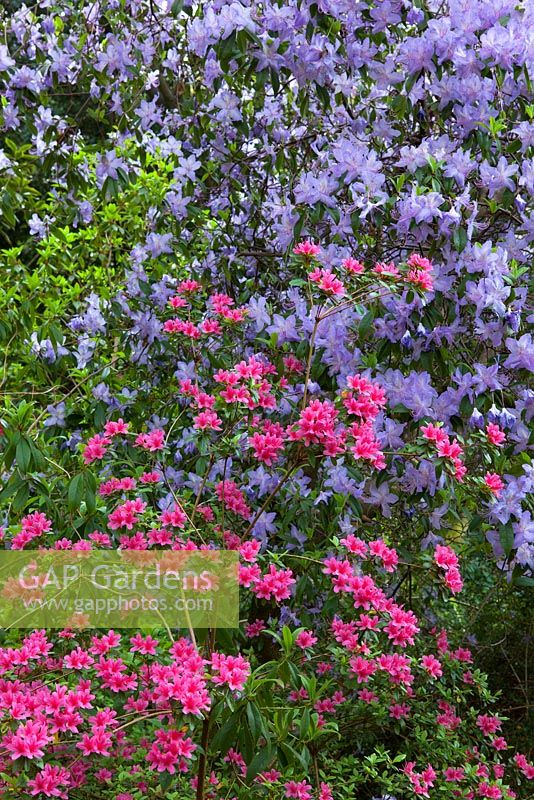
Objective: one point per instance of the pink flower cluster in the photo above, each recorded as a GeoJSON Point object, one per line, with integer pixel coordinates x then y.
{"type": "Point", "coordinates": [96, 448]}
{"type": "Point", "coordinates": [494, 483]}
{"type": "Point", "coordinates": [327, 281]}
{"type": "Point", "coordinates": [447, 560]}
{"type": "Point", "coordinates": [231, 671]}
{"type": "Point", "coordinates": [495, 435]}
{"type": "Point", "coordinates": [421, 781]}
{"type": "Point", "coordinates": [307, 249]}
{"type": "Point", "coordinates": [446, 448]}
{"type": "Point", "coordinates": [316, 425]}
{"type": "Point", "coordinates": [276, 583]}
{"type": "Point", "coordinates": [219, 304]}
{"type": "Point", "coordinates": [245, 384]}
{"type": "Point", "coordinates": [420, 272]}
{"type": "Point", "coordinates": [353, 265]}
{"type": "Point", "coordinates": [127, 515]}
{"type": "Point", "coordinates": [300, 790]}
{"type": "Point", "coordinates": [153, 441]}
{"type": "Point", "coordinates": [524, 765]}
{"type": "Point", "coordinates": [268, 444]}
{"type": "Point", "coordinates": [32, 526]}
{"type": "Point", "coordinates": [51, 781]}
{"type": "Point", "coordinates": [43, 713]}
{"type": "Point", "coordinates": [319, 423]}
{"type": "Point", "coordinates": [170, 751]}
{"type": "Point", "coordinates": [116, 485]}
{"type": "Point", "coordinates": [233, 499]}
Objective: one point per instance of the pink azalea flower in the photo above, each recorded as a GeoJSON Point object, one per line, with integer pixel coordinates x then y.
{"type": "Point", "coordinates": [307, 248]}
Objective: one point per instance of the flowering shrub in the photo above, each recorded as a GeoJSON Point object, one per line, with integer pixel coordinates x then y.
{"type": "Point", "coordinates": [328, 643]}
{"type": "Point", "coordinates": [305, 105]}
{"type": "Point", "coordinates": [265, 290]}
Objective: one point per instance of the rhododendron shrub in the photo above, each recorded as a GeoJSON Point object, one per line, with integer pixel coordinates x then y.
{"type": "Point", "coordinates": [236, 449]}
{"type": "Point", "coordinates": [265, 288]}
{"type": "Point", "coordinates": [138, 136]}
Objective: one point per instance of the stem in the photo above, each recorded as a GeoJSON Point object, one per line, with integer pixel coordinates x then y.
{"type": "Point", "coordinates": [202, 761]}
{"type": "Point", "coordinates": [269, 498]}
{"type": "Point", "coordinates": [202, 485]}
{"type": "Point", "coordinates": [77, 386]}
{"type": "Point", "coordinates": [310, 358]}
{"type": "Point", "coordinates": [316, 769]}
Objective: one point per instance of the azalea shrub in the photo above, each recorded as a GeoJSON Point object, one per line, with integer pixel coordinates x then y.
{"type": "Point", "coordinates": [241, 453]}
{"type": "Point", "coordinates": [265, 288]}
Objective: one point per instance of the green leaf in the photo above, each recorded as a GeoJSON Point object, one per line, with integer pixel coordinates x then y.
{"type": "Point", "coordinates": [9, 455]}
{"type": "Point", "coordinates": [9, 490]}
{"type": "Point", "coordinates": [275, 81]}
{"type": "Point", "coordinates": [506, 538]}
{"type": "Point", "coordinates": [165, 780]}
{"type": "Point", "coordinates": [365, 323]}
{"type": "Point", "coordinates": [523, 580]}
{"type": "Point", "coordinates": [475, 523]}
{"type": "Point", "coordinates": [23, 455]}
{"type": "Point", "coordinates": [76, 492]}
{"type": "Point", "coordinates": [287, 639]}
{"type": "Point", "coordinates": [37, 457]}
{"type": "Point", "coordinates": [254, 721]}
{"type": "Point", "coordinates": [305, 724]}
{"type": "Point", "coordinates": [293, 757]}
{"type": "Point", "coordinates": [225, 736]}
{"type": "Point", "coordinates": [21, 498]}
{"type": "Point", "coordinates": [260, 762]}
